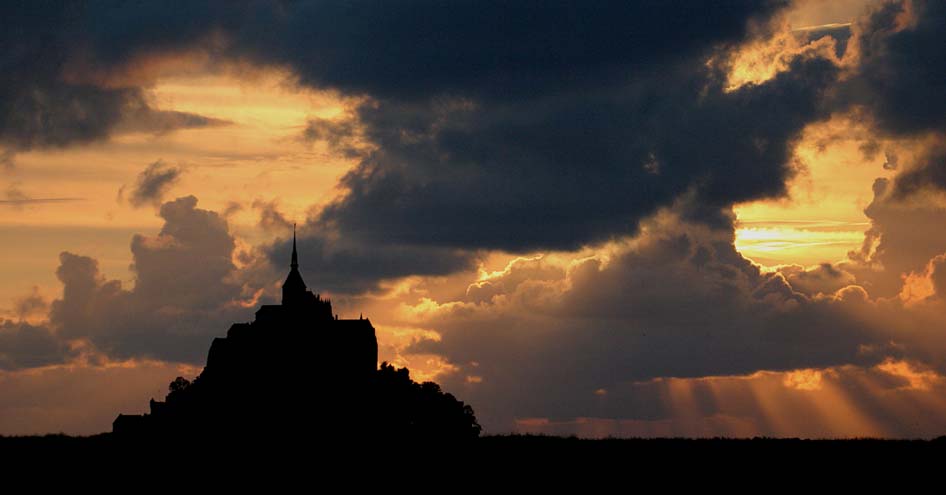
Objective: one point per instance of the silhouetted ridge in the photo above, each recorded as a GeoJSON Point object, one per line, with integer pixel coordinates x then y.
{"type": "Point", "coordinates": [298, 369]}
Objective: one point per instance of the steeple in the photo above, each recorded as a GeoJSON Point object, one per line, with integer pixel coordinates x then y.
{"type": "Point", "coordinates": [293, 289]}
{"type": "Point", "coordinates": [294, 265]}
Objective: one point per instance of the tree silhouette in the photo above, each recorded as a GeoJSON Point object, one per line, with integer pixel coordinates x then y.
{"type": "Point", "coordinates": [420, 410]}
{"type": "Point", "coordinates": [179, 385]}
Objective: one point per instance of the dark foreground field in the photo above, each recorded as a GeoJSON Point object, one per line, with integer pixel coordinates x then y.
{"type": "Point", "coordinates": [490, 464]}
{"type": "Point", "coordinates": [507, 451]}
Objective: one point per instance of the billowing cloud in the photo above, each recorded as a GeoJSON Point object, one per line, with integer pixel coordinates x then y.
{"type": "Point", "coordinates": [825, 278]}
{"type": "Point", "coordinates": [675, 303]}
{"type": "Point", "coordinates": [186, 291]}
{"type": "Point", "coordinates": [901, 239]}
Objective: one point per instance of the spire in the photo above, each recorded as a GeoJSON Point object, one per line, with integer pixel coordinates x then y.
{"type": "Point", "coordinates": [295, 257]}
{"type": "Point", "coordinates": [293, 289]}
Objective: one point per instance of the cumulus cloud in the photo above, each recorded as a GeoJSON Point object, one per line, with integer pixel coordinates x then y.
{"type": "Point", "coordinates": [596, 340]}
{"type": "Point", "coordinates": [677, 302]}
{"type": "Point", "coordinates": [824, 278]}
{"type": "Point", "coordinates": [186, 291]}
{"type": "Point", "coordinates": [901, 239]}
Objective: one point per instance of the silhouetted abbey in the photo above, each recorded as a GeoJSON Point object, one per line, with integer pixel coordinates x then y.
{"type": "Point", "coordinates": [299, 369]}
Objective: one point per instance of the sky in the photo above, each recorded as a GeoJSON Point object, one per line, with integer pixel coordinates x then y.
{"type": "Point", "coordinates": [619, 218]}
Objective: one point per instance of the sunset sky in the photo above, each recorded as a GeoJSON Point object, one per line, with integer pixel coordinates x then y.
{"type": "Point", "coordinates": [671, 218]}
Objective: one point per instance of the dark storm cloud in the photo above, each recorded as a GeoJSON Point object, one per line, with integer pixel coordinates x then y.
{"type": "Point", "coordinates": [899, 77]}
{"type": "Point", "coordinates": [35, 115]}
{"type": "Point", "coordinates": [397, 50]}
{"type": "Point", "coordinates": [340, 135]}
{"type": "Point", "coordinates": [559, 171]}
{"type": "Point", "coordinates": [44, 100]}
{"type": "Point", "coordinates": [518, 127]}
{"type": "Point", "coordinates": [484, 49]}
{"type": "Point", "coordinates": [496, 125]}
{"type": "Point", "coordinates": [901, 74]}
{"type": "Point", "coordinates": [385, 50]}
{"type": "Point", "coordinates": [153, 183]}
{"type": "Point", "coordinates": [551, 128]}
{"type": "Point", "coordinates": [493, 125]}
{"type": "Point", "coordinates": [464, 157]}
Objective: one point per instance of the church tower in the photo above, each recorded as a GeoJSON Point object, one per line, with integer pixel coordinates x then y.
{"type": "Point", "coordinates": [294, 289]}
